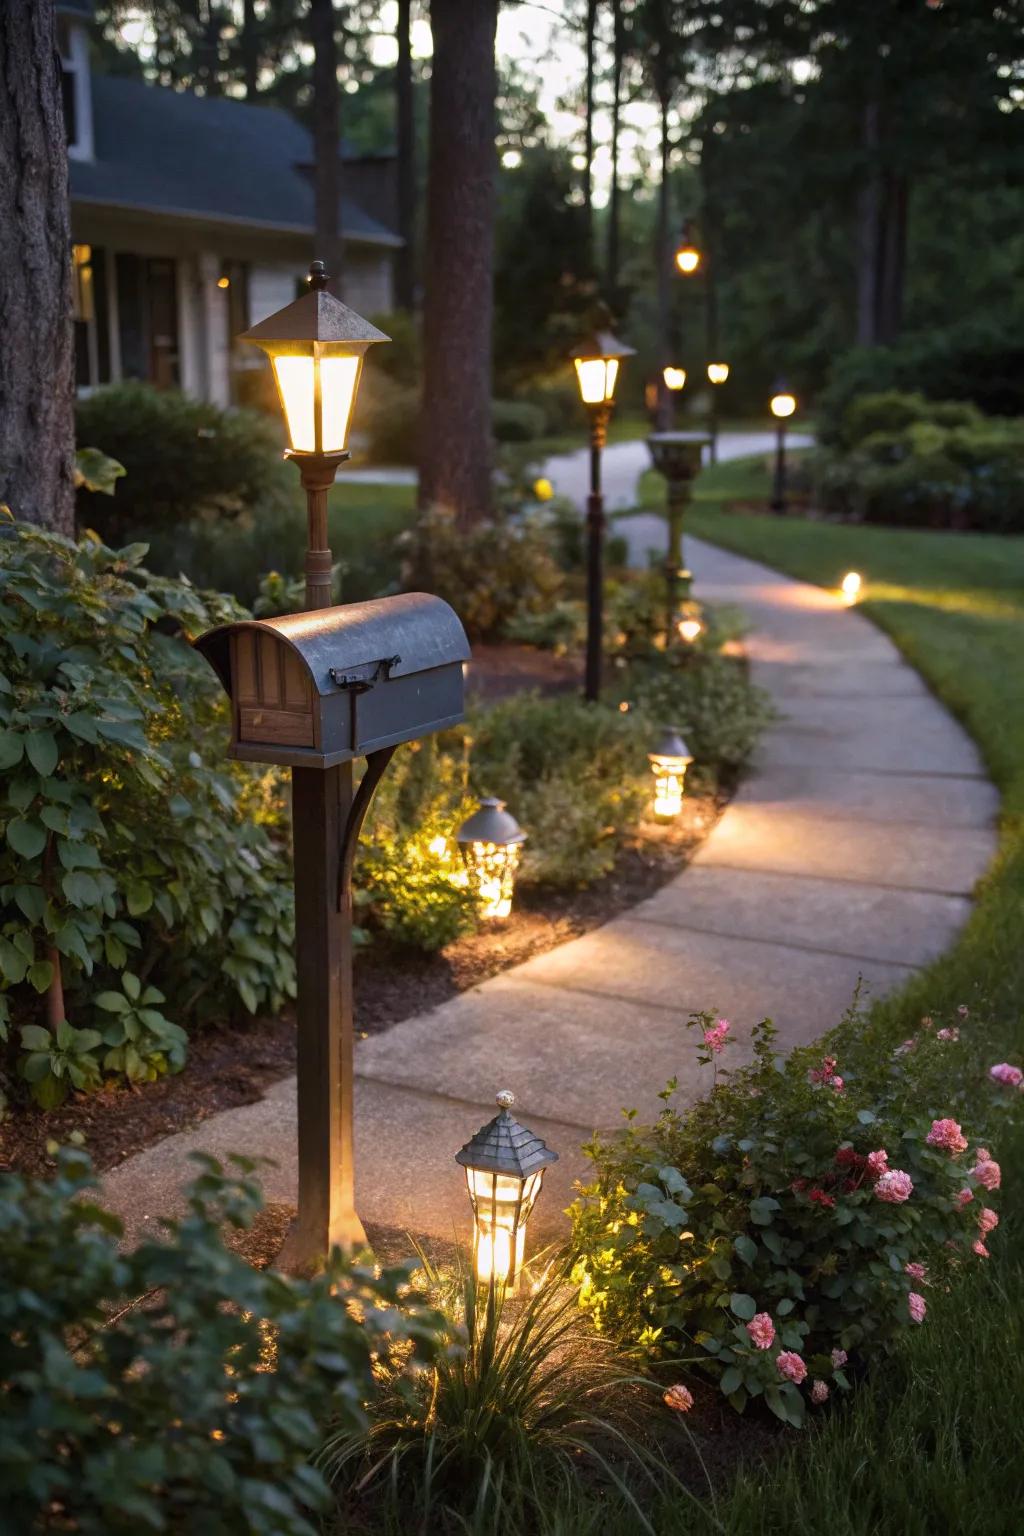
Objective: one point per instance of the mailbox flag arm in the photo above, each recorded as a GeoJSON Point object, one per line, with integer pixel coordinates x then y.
{"type": "Point", "coordinates": [376, 764]}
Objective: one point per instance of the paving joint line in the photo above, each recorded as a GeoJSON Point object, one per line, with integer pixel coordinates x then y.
{"type": "Point", "coordinates": [459, 1103]}
{"type": "Point", "coordinates": [750, 938]}
{"type": "Point", "coordinates": [606, 997]}
{"type": "Point", "coordinates": [877, 773]}
{"type": "Point", "coordinates": [878, 885]}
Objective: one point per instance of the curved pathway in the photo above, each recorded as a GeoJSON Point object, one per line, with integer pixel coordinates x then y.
{"type": "Point", "coordinates": [849, 852]}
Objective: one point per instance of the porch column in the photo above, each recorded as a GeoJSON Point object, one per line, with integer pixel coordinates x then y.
{"type": "Point", "coordinates": [211, 322]}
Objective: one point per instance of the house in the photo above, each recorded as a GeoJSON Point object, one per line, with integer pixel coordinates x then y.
{"type": "Point", "coordinates": [191, 219]}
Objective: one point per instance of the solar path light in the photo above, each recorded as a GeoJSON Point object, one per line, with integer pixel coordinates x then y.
{"type": "Point", "coordinates": [669, 761]}
{"type": "Point", "coordinates": [504, 1165]}
{"type": "Point", "coordinates": [490, 841]}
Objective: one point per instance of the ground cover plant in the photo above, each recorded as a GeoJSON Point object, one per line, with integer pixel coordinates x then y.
{"type": "Point", "coordinates": [173, 1386]}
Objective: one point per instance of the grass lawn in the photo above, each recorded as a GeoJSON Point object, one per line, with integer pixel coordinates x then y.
{"type": "Point", "coordinates": [932, 1442]}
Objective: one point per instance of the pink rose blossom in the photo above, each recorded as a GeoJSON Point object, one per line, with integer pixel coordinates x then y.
{"type": "Point", "coordinates": [948, 1034]}
{"type": "Point", "coordinates": [837, 1083]}
{"type": "Point", "coordinates": [917, 1307]}
{"type": "Point", "coordinates": [988, 1220]}
{"type": "Point", "coordinates": [979, 1248]}
{"type": "Point", "coordinates": [819, 1391]}
{"type": "Point", "coordinates": [791, 1366]}
{"type": "Point", "coordinates": [839, 1359]}
{"type": "Point", "coordinates": [761, 1330]}
{"type": "Point", "coordinates": [878, 1163]}
{"type": "Point", "coordinates": [986, 1171]}
{"type": "Point", "coordinates": [679, 1398]}
{"type": "Point", "coordinates": [1009, 1076]}
{"type": "Point", "coordinates": [715, 1037]}
{"type": "Point", "coordinates": [964, 1197]}
{"type": "Point", "coordinates": [916, 1272]}
{"type": "Point", "coordinates": [894, 1186]}
{"type": "Point", "coordinates": [825, 1072]}
{"type": "Point", "coordinates": [947, 1135]}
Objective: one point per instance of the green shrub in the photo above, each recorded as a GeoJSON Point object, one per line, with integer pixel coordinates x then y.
{"type": "Point", "coordinates": [784, 1212]}
{"type": "Point", "coordinates": [389, 415]}
{"type": "Point", "coordinates": [127, 855]}
{"type": "Point", "coordinates": [516, 421]}
{"type": "Point", "coordinates": [575, 775]}
{"type": "Point", "coordinates": [492, 573]}
{"type": "Point", "coordinates": [183, 459]}
{"type": "Point", "coordinates": [173, 1387]}
{"type": "Point", "coordinates": [711, 699]}
{"type": "Point", "coordinates": [558, 397]}
{"type": "Point", "coordinates": [906, 460]}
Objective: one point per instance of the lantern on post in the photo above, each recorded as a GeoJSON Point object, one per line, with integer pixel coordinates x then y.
{"type": "Point", "coordinates": [669, 761]}
{"type": "Point", "coordinates": [783, 404]}
{"type": "Point", "coordinates": [491, 840]}
{"type": "Point", "coordinates": [687, 254]}
{"type": "Point", "coordinates": [316, 348]}
{"type": "Point", "coordinates": [718, 373]}
{"type": "Point", "coordinates": [504, 1165]}
{"type": "Point", "coordinates": [597, 369]}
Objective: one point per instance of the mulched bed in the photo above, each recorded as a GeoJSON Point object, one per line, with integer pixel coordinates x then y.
{"type": "Point", "coordinates": [230, 1066]}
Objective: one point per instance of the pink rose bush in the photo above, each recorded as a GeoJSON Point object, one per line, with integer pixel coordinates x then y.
{"type": "Point", "coordinates": [783, 1227]}
{"type": "Point", "coordinates": [715, 1038]}
{"type": "Point", "coordinates": [1003, 1072]}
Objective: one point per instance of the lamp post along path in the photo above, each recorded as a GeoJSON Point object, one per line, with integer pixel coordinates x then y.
{"type": "Point", "coordinates": [677, 458]}
{"type": "Point", "coordinates": [314, 691]}
{"type": "Point", "coordinates": [597, 362]}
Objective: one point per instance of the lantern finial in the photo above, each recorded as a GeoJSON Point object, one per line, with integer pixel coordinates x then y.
{"type": "Point", "coordinates": [317, 274]}
{"type": "Point", "coordinates": [505, 1099]}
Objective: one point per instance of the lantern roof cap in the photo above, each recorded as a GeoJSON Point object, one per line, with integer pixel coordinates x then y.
{"type": "Point", "coordinates": [601, 340]}
{"type": "Point", "coordinates": [671, 744]}
{"type": "Point", "coordinates": [491, 824]}
{"type": "Point", "coordinates": [505, 1146]}
{"type": "Point", "coordinates": [316, 316]}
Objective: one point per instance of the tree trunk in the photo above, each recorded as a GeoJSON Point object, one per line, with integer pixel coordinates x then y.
{"type": "Point", "coordinates": [37, 429]}
{"type": "Point", "coordinates": [455, 435]}
{"type": "Point", "coordinates": [405, 267]}
{"type": "Point", "coordinates": [869, 216]}
{"type": "Point", "coordinates": [663, 257]}
{"type": "Point", "coordinates": [712, 247]}
{"type": "Point", "coordinates": [250, 50]}
{"type": "Point", "coordinates": [326, 140]}
{"type": "Point", "coordinates": [618, 55]}
{"type": "Point", "coordinates": [588, 142]}
{"type": "Point", "coordinates": [893, 253]}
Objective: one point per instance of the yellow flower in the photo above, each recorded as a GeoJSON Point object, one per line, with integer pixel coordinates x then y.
{"type": "Point", "coordinates": [543, 489]}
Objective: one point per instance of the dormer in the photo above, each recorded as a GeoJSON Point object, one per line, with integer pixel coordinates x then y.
{"type": "Point", "coordinates": [73, 18]}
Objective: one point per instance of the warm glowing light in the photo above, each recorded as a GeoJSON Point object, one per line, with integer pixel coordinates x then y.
{"type": "Point", "coordinates": [223, 282]}
{"type": "Point", "coordinates": [674, 378]}
{"type": "Point", "coordinates": [783, 405]}
{"type": "Point", "coordinates": [669, 763]}
{"type": "Point", "coordinates": [502, 1205]}
{"type": "Point", "coordinates": [543, 490]}
{"type": "Point", "coordinates": [624, 707]}
{"type": "Point", "coordinates": [295, 383]}
{"type": "Point", "coordinates": [690, 630]}
{"type": "Point", "coordinates": [850, 586]}
{"type": "Point", "coordinates": [718, 372]}
{"type": "Point", "coordinates": [438, 846]}
{"type": "Point", "coordinates": [493, 872]}
{"type": "Point", "coordinates": [596, 376]}
{"type": "Point", "coordinates": [338, 376]}
{"type": "Point", "coordinates": [687, 259]}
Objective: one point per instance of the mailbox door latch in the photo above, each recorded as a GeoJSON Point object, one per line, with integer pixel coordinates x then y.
{"type": "Point", "coordinates": [360, 679]}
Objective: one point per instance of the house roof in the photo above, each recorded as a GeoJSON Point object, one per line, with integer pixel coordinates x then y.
{"type": "Point", "coordinates": [208, 157]}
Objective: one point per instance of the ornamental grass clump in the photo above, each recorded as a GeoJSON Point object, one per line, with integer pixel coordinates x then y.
{"type": "Point", "coordinates": [792, 1222]}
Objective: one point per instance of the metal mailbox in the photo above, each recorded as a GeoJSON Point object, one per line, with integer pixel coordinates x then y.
{"type": "Point", "coordinates": [316, 689]}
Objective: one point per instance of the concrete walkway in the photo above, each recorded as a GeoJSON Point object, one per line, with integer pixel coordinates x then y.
{"type": "Point", "coordinates": [850, 851]}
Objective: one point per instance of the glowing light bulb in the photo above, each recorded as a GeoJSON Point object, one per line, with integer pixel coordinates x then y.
{"type": "Point", "coordinates": [850, 586]}
{"type": "Point", "coordinates": [438, 846]}
{"type": "Point", "coordinates": [690, 630]}
{"type": "Point", "coordinates": [674, 378]}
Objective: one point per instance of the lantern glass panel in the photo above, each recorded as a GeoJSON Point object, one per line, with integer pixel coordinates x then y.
{"type": "Point", "coordinates": [597, 377]}
{"type": "Point", "coordinates": [669, 782]}
{"type": "Point", "coordinates": [687, 259]}
{"type": "Point", "coordinates": [492, 868]}
{"type": "Point", "coordinates": [501, 1205]}
{"type": "Point", "coordinates": [338, 379]}
{"type": "Point", "coordinates": [296, 384]}
{"type": "Point", "coordinates": [783, 405]}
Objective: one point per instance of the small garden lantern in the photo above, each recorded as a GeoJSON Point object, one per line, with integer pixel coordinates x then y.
{"type": "Point", "coordinates": [687, 256]}
{"type": "Point", "coordinates": [675, 378]}
{"type": "Point", "coordinates": [783, 404]}
{"type": "Point", "coordinates": [718, 373]}
{"type": "Point", "coordinates": [669, 761]}
{"type": "Point", "coordinates": [597, 360]}
{"type": "Point", "coordinates": [690, 629]}
{"type": "Point", "coordinates": [316, 347]}
{"type": "Point", "coordinates": [850, 587]}
{"type": "Point", "coordinates": [504, 1165]}
{"type": "Point", "coordinates": [491, 840]}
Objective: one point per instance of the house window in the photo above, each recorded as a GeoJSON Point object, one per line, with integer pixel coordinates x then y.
{"type": "Point", "coordinates": [75, 87]}
{"type": "Point", "coordinates": [90, 316]}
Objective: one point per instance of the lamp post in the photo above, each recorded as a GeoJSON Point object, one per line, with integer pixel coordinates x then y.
{"type": "Point", "coordinates": [504, 1165]}
{"type": "Point", "coordinates": [674, 380]}
{"type": "Point", "coordinates": [783, 404]}
{"type": "Point", "coordinates": [687, 255]}
{"type": "Point", "coordinates": [597, 362]}
{"type": "Point", "coordinates": [677, 458]}
{"type": "Point", "coordinates": [490, 841]}
{"type": "Point", "coordinates": [717, 375]}
{"type": "Point", "coordinates": [316, 347]}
